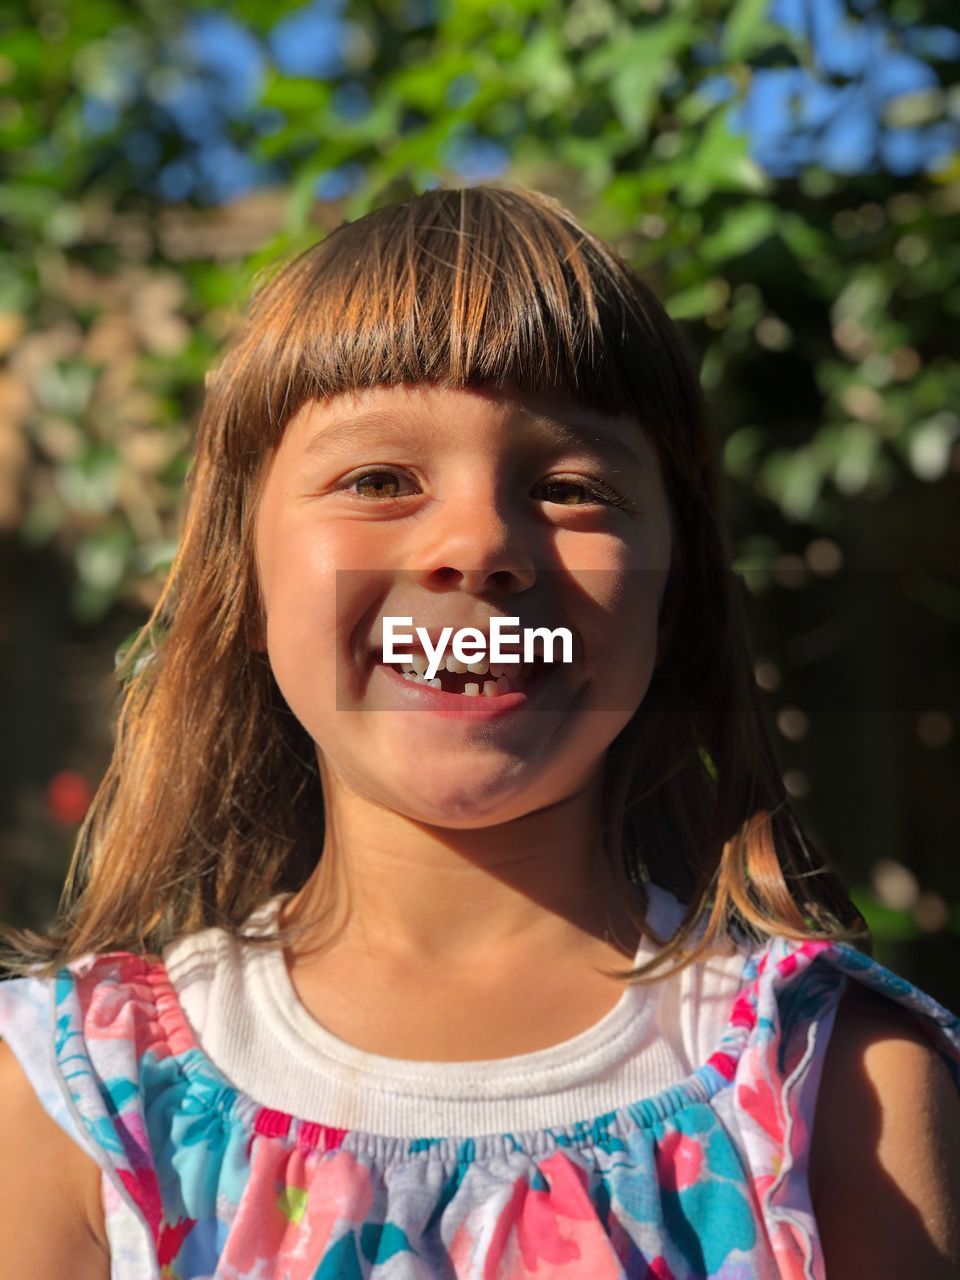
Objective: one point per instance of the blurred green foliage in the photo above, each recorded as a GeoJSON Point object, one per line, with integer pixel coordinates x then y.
{"type": "Point", "coordinates": [822, 309]}
{"type": "Point", "coordinates": [842, 288]}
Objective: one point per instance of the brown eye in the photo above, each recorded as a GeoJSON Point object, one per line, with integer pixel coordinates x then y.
{"type": "Point", "coordinates": [594, 494]}
{"type": "Point", "coordinates": [377, 482]}
{"type": "Point", "coordinates": [567, 485]}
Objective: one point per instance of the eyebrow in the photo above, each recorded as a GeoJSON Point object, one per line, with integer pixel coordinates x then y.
{"type": "Point", "coordinates": [368, 427]}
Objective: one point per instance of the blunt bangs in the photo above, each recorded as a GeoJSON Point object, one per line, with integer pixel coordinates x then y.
{"type": "Point", "coordinates": [480, 287]}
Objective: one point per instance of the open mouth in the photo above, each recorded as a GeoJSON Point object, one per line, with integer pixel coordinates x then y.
{"type": "Point", "coordinates": [480, 679]}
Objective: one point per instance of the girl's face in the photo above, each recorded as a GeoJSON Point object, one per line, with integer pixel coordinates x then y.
{"type": "Point", "coordinates": [452, 507]}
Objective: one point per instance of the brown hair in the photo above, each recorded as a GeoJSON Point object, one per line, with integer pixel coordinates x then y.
{"type": "Point", "coordinates": [212, 802]}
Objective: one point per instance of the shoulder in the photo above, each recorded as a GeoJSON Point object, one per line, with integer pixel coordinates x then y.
{"type": "Point", "coordinates": [65, 1223]}
{"type": "Point", "coordinates": [885, 1153]}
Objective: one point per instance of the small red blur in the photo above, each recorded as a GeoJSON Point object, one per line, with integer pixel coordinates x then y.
{"type": "Point", "coordinates": [68, 797]}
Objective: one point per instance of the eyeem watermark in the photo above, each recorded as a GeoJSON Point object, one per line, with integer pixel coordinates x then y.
{"type": "Point", "coordinates": [469, 644]}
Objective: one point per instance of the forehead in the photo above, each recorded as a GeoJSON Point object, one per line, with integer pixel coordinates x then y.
{"type": "Point", "coordinates": [368, 414]}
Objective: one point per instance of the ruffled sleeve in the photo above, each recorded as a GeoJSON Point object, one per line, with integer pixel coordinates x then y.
{"type": "Point", "coordinates": [790, 1008]}
{"type": "Point", "coordinates": [164, 1126]}
{"type": "Point", "coordinates": [44, 1024]}
{"type": "Point", "coordinates": [26, 1024]}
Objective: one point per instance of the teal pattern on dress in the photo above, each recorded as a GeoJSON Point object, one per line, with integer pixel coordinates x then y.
{"type": "Point", "coordinates": [703, 1181]}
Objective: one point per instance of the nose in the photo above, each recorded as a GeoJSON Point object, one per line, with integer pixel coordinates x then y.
{"type": "Point", "coordinates": [473, 547]}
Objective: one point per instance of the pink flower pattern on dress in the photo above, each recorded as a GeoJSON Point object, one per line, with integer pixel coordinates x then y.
{"type": "Point", "coordinates": [705, 1181]}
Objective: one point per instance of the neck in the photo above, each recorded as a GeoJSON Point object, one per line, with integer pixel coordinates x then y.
{"type": "Point", "coordinates": [426, 894]}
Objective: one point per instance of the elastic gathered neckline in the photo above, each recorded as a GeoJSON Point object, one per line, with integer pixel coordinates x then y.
{"type": "Point", "coordinates": [261, 1122]}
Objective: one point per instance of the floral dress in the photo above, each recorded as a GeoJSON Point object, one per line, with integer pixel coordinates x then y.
{"type": "Point", "coordinates": [706, 1179]}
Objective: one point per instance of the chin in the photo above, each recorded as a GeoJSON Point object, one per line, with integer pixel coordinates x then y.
{"type": "Point", "coordinates": [478, 805]}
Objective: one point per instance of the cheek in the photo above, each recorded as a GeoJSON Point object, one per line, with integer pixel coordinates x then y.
{"type": "Point", "coordinates": [644, 571]}
{"type": "Point", "coordinates": [299, 591]}
{"type": "Point", "coordinates": [621, 585]}
{"type": "Point", "coordinates": [621, 631]}
{"type": "Point", "coordinates": [632, 662]}
{"type": "Point", "coordinates": [319, 625]}
{"type": "Point", "coordinates": [299, 595]}
{"type": "Point", "coordinates": [300, 644]}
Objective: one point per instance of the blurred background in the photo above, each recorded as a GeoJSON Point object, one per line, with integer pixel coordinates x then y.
{"type": "Point", "coordinates": [784, 173]}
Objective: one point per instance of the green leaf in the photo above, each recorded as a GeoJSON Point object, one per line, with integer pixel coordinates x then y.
{"type": "Point", "coordinates": [741, 229]}
{"type": "Point", "coordinates": [793, 479]}
{"type": "Point", "coordinates": [746, 31]}
{"type": "Point", "coordinates": [88, 484]}
{"type": "Point", "coordinates": [424, 85]}
{"type": "Point", "coordinates": [128, 666]}
{"type": "Point", "coordinates": [885, 923]}
{"type": "Point", "coordinates": [296, 96]}
{"type": "Point", "coordinates": [854, 466]}
{"type": "Point", "coordinates": [697, 300]}
{"type": "Point", "coordinates": [802, 238]}
{"type": "Point", "coordinates": [548, 77]}
{"type": "Point", "coordinates": [634, 68]}
{"type": "Point", "coordinates": [741, 449]}
{"type": "Point", "coordinates": [720, 161]}
{"type": "Point", "coordinates": [302, 196]}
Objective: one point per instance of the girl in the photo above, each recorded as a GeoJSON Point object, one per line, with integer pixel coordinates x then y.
{"type": "Point", "coordinates": [531, 974]}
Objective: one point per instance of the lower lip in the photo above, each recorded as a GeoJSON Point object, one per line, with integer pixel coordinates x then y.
{"type": "Point", "coordinates": [462, 706]}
